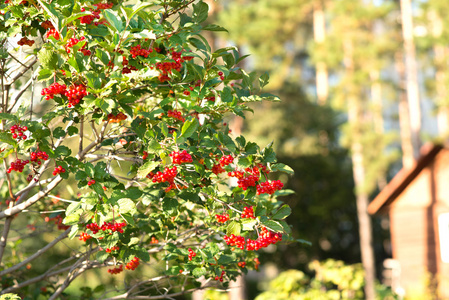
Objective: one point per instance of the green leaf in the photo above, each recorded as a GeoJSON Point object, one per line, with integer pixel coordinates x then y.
{"type": "Point", "coordinates": [213, 27]}
{"type": "Point", "coordinates": [126, 205]}
{"type": "Point", "coordinates": [71, 219]}
{"type": "Point", "coordinates": [102, 256]}
{"type": "Point", "coordinates": [73, 231]}
{"type": "Point", "coordinates": [62, 151]}
{"type": "Point", "coordinates": [226, 259]}
{"type": "Point", "coordinates": [10, 117]}
{"type": "Point", "coordinates": [248, 224]}
{"type": "Point", "coordinates": [114, 19]}
{"type": "Point", "coordinates": [283, 212]}
{"type": "Point", "coordinates": [44, 74]}
{"type": "Point", "coordinates": [198, 272]}
{"type": "Point", "coordinates": [273, 225]}
{"type": "Point", "coordinates": [282, 168]}
{"type": "Point", "coordinates": [147, 168]}
{"type": "Point", "coordinates": [233, 228]}
{"type": "Point", "coordinates": [134, 241]}
{"type": "Point", "coordinates": [90, 170]}
{"type": "Point", "coordinates": [263, 80]}
{"type": "Point", "coordinates": [200, 12]}
{"type": "Point", "coordinates": [7, 138]}
{"type": "Point", "coordinates": [170, 206]}
{"type": "Point", "coordinates": [73, 17]}
{"type": "Point", "coordinates": [189, 127]}
{"type": "Point", "coordinates": [48, 59]}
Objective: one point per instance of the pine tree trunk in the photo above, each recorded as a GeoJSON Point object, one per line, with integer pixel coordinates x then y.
{"type": "Point", "coordinates": [319, 34]}
{"type": "Point", "coordinates": [365, 228]}
{"type": "Point", "coordinates": [411, 75]}
{"type": "Point", "coordinates": [404, 116]}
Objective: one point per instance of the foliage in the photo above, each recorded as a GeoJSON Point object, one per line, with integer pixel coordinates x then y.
{"type": "Point", "coordinates": [135, 131]}
{"type": "Point", "coordinates": [332, 280]}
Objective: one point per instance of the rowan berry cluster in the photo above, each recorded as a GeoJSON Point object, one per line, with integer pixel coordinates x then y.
{"type": "Point", "coordinates": [47, 25]}
{"type": "Point", "coordinates": [242, 264]}
{"type": "Point", "coordinates": [116, 270]}
{"type": "Point", "coordinates": [221, 75]}
{"type": "Point", "coordinates": [192, 254]}
{"type": "Point", "coordinates": [58, 221]}
{"type": "Point", "coordinates": [58, 170]}
{"type": "Point", "coordinates": [53, 90]}
{"type": "Point", "coordinates": [139, 51]}
{"type": "Point", "coordinates": [19, 135]}
{"type": "Point", "coordinates": [265, 239]}
{"type": "Point", "coordinates": [226, 160]}
{"type": "Point", "coordinates": [93, 227]}
{"type": "Point", "coordinates": [168, 175]}
{"type": "Point", "coordinates": [222, 218]}
{"type": "Point", "coordinates": [37, 156]}
{"type": "Point", "coordinates": [221, 277]}
{"type": "Point", "coordinates": [211, 98]}
{"type": "Point", "coordinates": [154, 240]}
{"type": "Point", "coordinates": [269, 187]}
{"type": "Point", "coordinates": [175, 115]}
{"type": "Point", "coordinates": [133, 264]}
{"type": "Point", "coordinates": [247, 181]}
{"type": "Point", "coordinates": [25, 41]}
{"type": "Point", "coordinates": [54, 33]}
{"type": "Point", "coordinates": [91, 182]}
{"type": "Point", "coordinates": [116, 118]}
{"type": "Point", "coordinates": [145, 155]}
{"type": "Point", "coordinates": [166, 67]}
{"type": "Point", "coordinates": [84, 236]}
{"type": "Point", "coordinates": [95, 14]}
{"type": "Point", "coordinates": [75, 94]}
{"type": "Point", "coordinates": [113, 226]}
{"type": "Point", "coordinates": [217, 169]}
{"type": "Point", "coordinates": [115, 248]}
{"type": "Point", "coordinates": [73, 41]}
{"type": "Point", "coordinates": [235, 240]}
{"type": "Point", "coordinates": [181, 157]}
{"type": "Point", "coordinates": [17, 166]}
{"type": "Point", "coordinates": [248, 213]}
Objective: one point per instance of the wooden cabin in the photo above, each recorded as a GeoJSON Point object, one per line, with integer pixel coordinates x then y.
{"type": "Point", "coordinates": [417, 203]}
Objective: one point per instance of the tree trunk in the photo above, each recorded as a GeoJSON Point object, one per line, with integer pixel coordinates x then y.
{"type": "Point", "coordinates": [440, 74]}
{"type": "Point", "coordinates": [404, 116]}
{"type": "Point", "coordinates": [365, 228]}
{"type": "Point", "coordinates": [237, 289]}
{"type": "Point", "coordinates": [319, 35]}
{"type": "Point", "coordinates": [411, 75]}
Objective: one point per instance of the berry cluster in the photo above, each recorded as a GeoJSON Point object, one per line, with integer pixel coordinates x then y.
{"type": "Point", "coordinates": [248, 212]}
{"type": "Point", "coordinates": [47, 25]}
{"type": "Point", "coordinates": [247, 181]}
{"type": "Point", "coordinates": [116, 270]}
{"type": "Point", "coordinates": [221, 277]}
{"type": "Point", "coordinates": [116, 118]}
{"type": "Point", "coordinates": [242, 264]}
{"type": "Point", "coordinates": [133, 264]}
{"type": "Point", "coordinates": [84, 237]}
{"type": "Point", "coordinates": [217, 169]}
{"type": "Point", "coordinates": [192, 254]}
{"type": "Point", "coordinates": [226, 160]}
{"type": "Point", "coordinates": [52, 32]}
{"type": "Point", "coordinates": [166, 67]}
{"type": "Point", "coordinates": [221, 75]}
{"type": "Point", "coordinates": [265, 239]}
{"type": "Point", "coordinates": [187, 93]}
{"type": "Point", "coordinates": [145, 155]}
{"type": "Point", "coordinates": [58, 221]}
{"type": "Point", "coordinates": [17, 166]}
{"type": "Point", "coordinates": [181, 157]}
{"type": "Point", "coordinates": [75, 94]}
{"type": "Point", "coordinates": [167, 176]}
{"type": "Point", "coordinates": [25, 41]}
{"type": "Point", "coordinates": [175, 115]}
{"type": "Point", "coordinates": [54, 89]}
{"type": "Point", "coordinates": [211, 98]}
{"type": "Point", "coordinates": [269, 187]}
{"type": "Point", "coordinates": [58, 170]}
{"type": "Point", "coordinates": [115, 248]}
{"type": "Point", "coordinates": [95, 14]}
{"type": "Point", "coordinates": [93, 227]}
{"type": "Point", "coordinates": [37, 156]}
{"type": "Point", "coordinates": [138, 51]}
{"type": "Point", "coordinates": [91, 182]}
{"type": "Point", "coordinates": [73, 41]}
{"type": "Point", "coordinates": [154, 240]}
{"type": "Point", "coordinates": [222, 218]}
{"type": "Point", "coordinates": [19, 134]}
{"type": "Point", "coordinates": [113, 226]}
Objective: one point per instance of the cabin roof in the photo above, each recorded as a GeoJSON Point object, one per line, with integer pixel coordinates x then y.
{"type": "Point", "coordinates": [402, 179]}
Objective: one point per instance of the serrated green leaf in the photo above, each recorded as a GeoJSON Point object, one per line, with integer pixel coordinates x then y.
{"type": "Point", "coordinates": [273, 225]}
{"type": "Point", "coordinates": [90, 170]}
{"type": "Point", "coordinates": [283, 212]}
{"type": "Point", "coordinates": [126, 205]}
{"type": "Point", "coordinates": [248, 224]}
{"type": "Point", "coordinates": [48, 59]}
{"type": "Point", "coordinates": [282, 168]}
{"type": "Point", "coordinates": [198, 272]}
{"type": "Point", "coordinates": [190, 126]}
{"type": "Point", "coordinates": [7, 138]}
{"type": "Point", "coordinates": [73, 231]}
{"type": "Point", "coordinates": [146, 168]}
{"type": "Point", "coordinates": [170, 206]}
{"type": "Point", "coordinates": [233, 228]}
{"type": "Point", "coordinates": [200, 12]}
{"type": "Point", "coordinates": [10, 117]}
{"type": "Point", "coordinates": [114, 19]}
